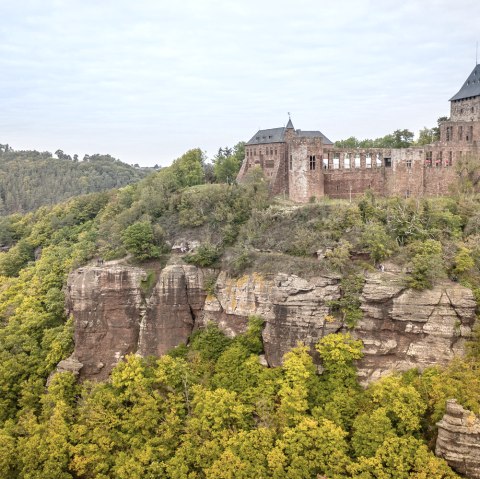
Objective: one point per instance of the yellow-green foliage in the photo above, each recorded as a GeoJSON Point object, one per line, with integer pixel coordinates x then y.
{"type": "Point", "coordinates": [210, 409]}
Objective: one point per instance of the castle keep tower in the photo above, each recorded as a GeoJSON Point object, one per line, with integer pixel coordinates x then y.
{"type": "Point", "coordinates": [463, 127]}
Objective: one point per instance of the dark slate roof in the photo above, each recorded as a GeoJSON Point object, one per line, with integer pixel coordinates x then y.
{"type": "Point", "coordinates": [272, 135]}
{"type": "Point", "coordinates": [315, 134]}
{"type": "Point", "coordinates": [471, 87]}
{"type": "Point", "coordinates": [289, 124]}
{"type": "Point", "coordinates": [277, 135]}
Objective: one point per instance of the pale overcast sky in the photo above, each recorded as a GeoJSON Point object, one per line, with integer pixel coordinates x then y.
{"type": "Point", "coordinates": [146, 80]}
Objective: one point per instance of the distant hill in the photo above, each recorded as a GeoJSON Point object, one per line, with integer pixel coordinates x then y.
{"type": "Point", "coordinates": [30, 179]}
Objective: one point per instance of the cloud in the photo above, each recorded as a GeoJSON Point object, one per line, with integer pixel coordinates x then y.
{"type": "Point", "coordinates": [146, 80]}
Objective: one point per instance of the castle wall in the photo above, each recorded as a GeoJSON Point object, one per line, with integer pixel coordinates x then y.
{"type": "Point", "coordinates": [404, 172]}
{"type": "Point", "coordinates": [304, 168]}
{"type": "Point", "coordinates": [271, 158]}
{"type": "Point", "coordinates": [461, 133]}
{"type": "Point", "coordinates": [305, 175]}
{"type": "Point", "coordinates": [350, 172]}
{"type": "Point", "coordinates": [467, 109]}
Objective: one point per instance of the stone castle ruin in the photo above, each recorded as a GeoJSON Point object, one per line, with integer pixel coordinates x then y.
{"type": "Point", "coordinates": [305, 164]}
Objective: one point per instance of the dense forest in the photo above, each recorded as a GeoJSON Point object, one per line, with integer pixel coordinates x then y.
{"type": "Point", "coordinates": [30, 179]}
{"type": "Point", "coordinates": [210, 409]}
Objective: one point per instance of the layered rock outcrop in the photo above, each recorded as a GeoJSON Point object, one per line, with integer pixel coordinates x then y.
{"type": "Point", "coordinates": [293, 308]}
{"type": "Point", "coordinates": [114, 317]}
{"type": "Point", "coordinates": [106, 304]}
{"type": "Point", "coordinates": [458, 440]}
{"type": "Point", "coordinates": [400, 328]}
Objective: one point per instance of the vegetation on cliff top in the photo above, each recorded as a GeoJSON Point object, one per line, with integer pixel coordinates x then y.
{"type": "Point", "coordinates": [211, 410]}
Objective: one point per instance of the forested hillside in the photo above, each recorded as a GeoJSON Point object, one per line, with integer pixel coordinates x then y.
{"type": "Point", "coordinates": [210, 409]}
{"type": "Point", "coordinates": [30, 179]}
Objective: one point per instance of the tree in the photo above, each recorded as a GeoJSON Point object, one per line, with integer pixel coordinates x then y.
{"type": "Point", "coordinates": [227, 163]}
{"type": "Point", "coordinates": [298, 371]}
{"type": "Point", "coordinates": [310, 449]}
{"type": "Point", "coordinates": [377, 241]}
{"type": "Point", "coordinates": [139, 240]}
{"type": "Point", "coordinates": [245, 456]}
{"type": "Point", "coordinates": [402, 458]}
{"type": "Point", "coordinates": [370, 431]}
{"type": "Point", "coordinates": [427, 264]}
{"type": "Point", "coordinates": [401, 402]}
{"type": "Point", "coordinates": [188, 169]}
{"type": "Point", "coordinates": [426, 136]}
{"type": "Point", "coordinates": [468, 171]}
{"type": "Point", "coordinates": [397, 139]}
{"type": "Point", "coordinates": [339, 394]}
{"type": "Point", "coordinates": [351, 142]}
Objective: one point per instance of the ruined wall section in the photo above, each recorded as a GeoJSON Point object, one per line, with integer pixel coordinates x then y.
{"type": "Point", "coordinates": [271, 158]}
{"type": "Point", "coordinates": [305, 174]}
{"type": "Point", "coordinates": [350, 172]}
{"type": "Point", "coordinates": [407, 175]}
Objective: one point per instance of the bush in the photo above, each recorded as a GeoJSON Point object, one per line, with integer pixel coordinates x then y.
{"type": "Point", "coordinates": [138, 239]}
{"type": "Point", "coordinates": [206, 255]}
{"type": "Point", "coordinates": [377, 242]}
{"type": "Point", "coordinates": [427, 264]}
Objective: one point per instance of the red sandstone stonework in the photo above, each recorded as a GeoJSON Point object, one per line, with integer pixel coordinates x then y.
{"type": "Point", "coordinates": [305, 165]}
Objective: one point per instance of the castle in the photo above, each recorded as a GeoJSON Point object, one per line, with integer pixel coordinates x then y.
{"type": "Point", "coordinates": [305, 164]}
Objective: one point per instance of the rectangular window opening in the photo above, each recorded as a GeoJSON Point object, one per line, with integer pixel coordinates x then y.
{"type": "Point", "coordinates": [357, 160]}
{"type": "Point", "coordinates": [336, 161]}
{"type": "Point", "coordinates": [428, 159]}
{"type": "Point", "coordinates": [368, 160]}
{"type": "Point", "coordinates": [312, 162]}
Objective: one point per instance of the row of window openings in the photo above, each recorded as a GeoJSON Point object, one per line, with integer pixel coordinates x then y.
{"type": "Point", "coordinates": [438, 160]}
{"type": "Point", "coordinates": [254, 152]}
{"type": "Point", "coordinates": [471, 110]}
{"type": "Point", "coordinates": [468, 136]}
{"type": "Point", "coordinates": [368, 161]}
{"type": "Point", "coordinates": [346, 162]}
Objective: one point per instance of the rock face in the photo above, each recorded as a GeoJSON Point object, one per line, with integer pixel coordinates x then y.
{"type": "Point", "coordinates": [114, 318]}
{"type": "Point", "coordinates": [294, 309]}
{"type": "Point", "coordinates": [177, 299]}
{"type": "Point", "coordinates": [458, 440]}
{"type": "Point", "coordinates": [106, 305]}
{"type": "Point", "coordinates": [400, 328]}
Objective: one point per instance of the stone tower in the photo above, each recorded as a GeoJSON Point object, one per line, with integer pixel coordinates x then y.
{"type": "Point", "coordinates": [463, 127]}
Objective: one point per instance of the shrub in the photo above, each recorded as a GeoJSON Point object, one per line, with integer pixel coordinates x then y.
{"type": "Point", "coordinates": [205, 255]}
{"type": "Point", "coordinates": [427, 264]}
{"type": "Point", "coordinates": [138, 239]}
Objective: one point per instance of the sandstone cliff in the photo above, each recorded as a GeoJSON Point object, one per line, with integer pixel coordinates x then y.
{"type": "Point", "coordinates": [113, 317]}
{"type": "Point", "coordinates": [458, 440]}
{"type": "Point", "coordinates": [400, 329]}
